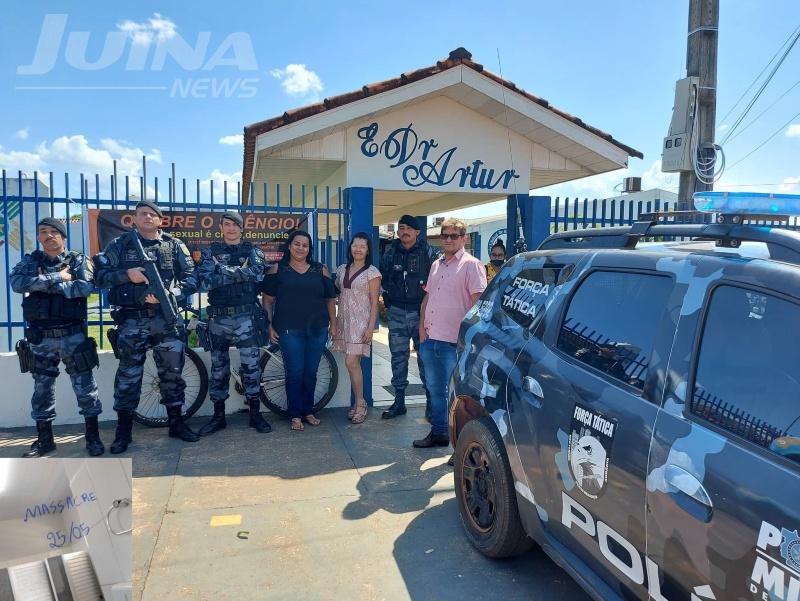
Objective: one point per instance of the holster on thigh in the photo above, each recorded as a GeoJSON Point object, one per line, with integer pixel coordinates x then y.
{"type": "Point", "coordinates": [84, 358]}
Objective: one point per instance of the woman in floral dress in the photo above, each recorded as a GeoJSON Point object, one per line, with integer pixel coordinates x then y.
{"type": "Point", "coordinates": [360, 284]}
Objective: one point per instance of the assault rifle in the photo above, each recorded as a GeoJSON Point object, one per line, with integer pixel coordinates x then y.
{"type": "Point", "coordinates": [169, 308]}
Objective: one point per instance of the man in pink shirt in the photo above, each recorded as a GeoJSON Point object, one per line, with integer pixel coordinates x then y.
{"type": "Point", "coordinates": [454, 284]}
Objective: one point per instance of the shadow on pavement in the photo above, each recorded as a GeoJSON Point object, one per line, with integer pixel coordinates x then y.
{"type": "Point", "coordinates": [436, 561]}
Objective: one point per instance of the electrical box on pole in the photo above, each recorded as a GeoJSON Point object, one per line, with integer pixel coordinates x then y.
{"type": "Point", "coordinates": [675, 152]}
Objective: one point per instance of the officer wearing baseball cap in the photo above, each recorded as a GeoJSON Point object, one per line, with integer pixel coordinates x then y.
{"type": "Point", "coordinates": [404, 269]}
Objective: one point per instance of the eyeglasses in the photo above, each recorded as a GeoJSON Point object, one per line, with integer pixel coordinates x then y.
{"type": "Point", "coordinates": [451, 236]}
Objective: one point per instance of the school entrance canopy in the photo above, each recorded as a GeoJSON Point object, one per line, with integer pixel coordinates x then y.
{"type": "Point", "coordinates": [432, 140]}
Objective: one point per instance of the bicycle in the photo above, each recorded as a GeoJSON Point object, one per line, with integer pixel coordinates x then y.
{"type": "Point", "coordinates": [195, 374]}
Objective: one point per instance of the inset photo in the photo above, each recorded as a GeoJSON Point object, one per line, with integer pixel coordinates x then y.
{"type": "Point", "coordinates": [65, 530]}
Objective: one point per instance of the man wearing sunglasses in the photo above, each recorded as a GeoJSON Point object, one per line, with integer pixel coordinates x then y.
{"type": "Point", "coordinates": [454, 284]}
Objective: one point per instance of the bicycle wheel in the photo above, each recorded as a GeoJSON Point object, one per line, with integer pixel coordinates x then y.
{"type": "Point", "coordinates": [273, 381]}
{"type": "Point", "coordinates": [150, 411]}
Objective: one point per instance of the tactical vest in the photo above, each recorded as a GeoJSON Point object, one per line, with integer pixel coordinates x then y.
{"type": "Point", "coordinates": [407, 268]}
{"type": "Point", "coordinates": [130, 294]}
{"type": "Point", "coordinates": [239, 293]}
{"type": "Point", "coordinates": [43, 306]}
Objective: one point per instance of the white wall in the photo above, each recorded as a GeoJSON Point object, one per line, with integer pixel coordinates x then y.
{"type": "Point", "coordinates": [450, 125]}
{"type": "Point", "coordinates": [109, 479]}
{"type": "Point", "coordinates": [40, 482]}
{"type": "Point", "coordinates": [15, 410]}
{"type": "Point", "coordinates": [27, 541]}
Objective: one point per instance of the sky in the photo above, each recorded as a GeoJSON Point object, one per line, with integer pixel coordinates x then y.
{"type": "Point", "coordinates": [83, 83]}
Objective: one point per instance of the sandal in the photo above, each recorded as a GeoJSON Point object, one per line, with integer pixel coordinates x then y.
{"type": "Point", "coordinates": [351, 412]}
{"type": "Point", "coordinates": [360, 415]}
{"type": "Point", "coordinates": [311, 420]}
{"type": "Point", "coordinates": [297, 424]}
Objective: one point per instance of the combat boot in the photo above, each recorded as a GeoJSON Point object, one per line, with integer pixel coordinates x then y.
{"type": "Point", "coordinates": [177, 427]}
{"type": "Point", "coordinates": [44, 443]}
{"type": "Point", "coordinates": [94, 446]}
{"type": "Point", "coordinates": [217, 421]}
{"type": "Point", "coordinates": [398, 407]}
{"type": "Point", "coordinates": [257, 420]}
{"type": "Point", "coordinates": [123, 436]}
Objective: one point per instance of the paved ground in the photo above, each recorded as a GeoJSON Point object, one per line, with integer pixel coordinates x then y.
{"type": "Point", "coordinates": [334, 512]}
{"type": "Point", "coordinates": [339, 511]}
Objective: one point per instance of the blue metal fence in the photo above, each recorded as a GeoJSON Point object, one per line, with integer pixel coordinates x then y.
{"type": "Point", "coordinates": [567, 214]}
{"type": "Point", "coordinates": [24, 200]}
{"type": "Point", "coordinates": [327, 209]}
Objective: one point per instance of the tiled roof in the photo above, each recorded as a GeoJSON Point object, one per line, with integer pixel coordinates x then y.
{"type": "Point", "coordinates": [457, 57]}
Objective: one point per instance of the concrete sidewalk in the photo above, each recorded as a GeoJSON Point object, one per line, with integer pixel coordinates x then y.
{"type": "Point", "coordinates": [335, 512]}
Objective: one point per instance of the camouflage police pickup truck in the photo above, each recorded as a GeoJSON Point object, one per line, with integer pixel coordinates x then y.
{"type": "Point", "coordinates": [635, 409]}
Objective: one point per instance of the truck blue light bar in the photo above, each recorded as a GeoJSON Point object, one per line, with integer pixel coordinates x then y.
{"type": "Point", "coordinates": [741, 203]}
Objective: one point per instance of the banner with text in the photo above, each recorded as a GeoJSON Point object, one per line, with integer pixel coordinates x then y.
{"type": "Point", "coordinates": [200, 228]}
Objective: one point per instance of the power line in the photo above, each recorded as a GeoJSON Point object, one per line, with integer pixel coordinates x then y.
{"type": "Point", "coordinates": [777, 131]}
{"type": "Point", "coordinates": [761, 114]}
{"type": "Point", "coordinates": [763, 86]}
{"type": "Point", "coordinates": [752, 83]}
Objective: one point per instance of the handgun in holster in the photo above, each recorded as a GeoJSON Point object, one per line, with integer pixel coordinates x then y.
{"type": "Point", "coordinates": [203, 335]}
{"type": "Point", "coordinates": [25, 356]}
{"type": "Point", "coordinates": [113, 337]}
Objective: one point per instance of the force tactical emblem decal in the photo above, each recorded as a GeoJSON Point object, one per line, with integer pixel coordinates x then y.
{"type": "Point", "coordinates": [590, 439]}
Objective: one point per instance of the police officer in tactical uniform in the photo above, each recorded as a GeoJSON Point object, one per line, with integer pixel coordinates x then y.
{"type": "Point", "coordinates": [56, 283]}
{"type": "Point", "coordinates": [404, 267]}
{"type": "Point", "coordinates": [141, 322]}
{"type": "Point", "coordinates": [230, 272]}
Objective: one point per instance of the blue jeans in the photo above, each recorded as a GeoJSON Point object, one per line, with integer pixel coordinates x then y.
{"type": "Point", "coordinates": [439, 359]}
{"type": "Point", "coordinates": [302, 351]}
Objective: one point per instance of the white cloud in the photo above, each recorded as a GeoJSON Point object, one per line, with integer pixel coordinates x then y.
{"type": "Point", "coordinates": [156, 28]}
{"type": "Point", "coordinates": [232, 140]}
{"type": "Point", "coordinates": [722, 127]}
{"type": "Point", "coordinates": [74, 154]}
{"type": "Point", "coordinates": [22, 134]}
{"type": "Point", "coordinates": [297, 80]}
{"type": "Point", "coordinates": [219, 177]}
{"type": "Point", "coordinates": [14, 160]}
{"type": "Point", "coordinates": [793, 131]}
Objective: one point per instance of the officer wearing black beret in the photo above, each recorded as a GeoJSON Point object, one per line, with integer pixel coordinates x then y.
{"type": "Point", "coordinates": [230, 271]}
{"type": "Point", "coordinates": [55, 283]}
{"type": "Point", "coordinates": [141, 323]}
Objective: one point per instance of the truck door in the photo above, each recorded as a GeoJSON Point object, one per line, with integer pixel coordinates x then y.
{"type": "Point", "coordinates": [583, 412]}
{"type": "Point", "coordinates": [723, 512]}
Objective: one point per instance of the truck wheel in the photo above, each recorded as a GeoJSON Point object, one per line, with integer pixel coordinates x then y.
{"type": "Point", "coordinates": [485, 492]}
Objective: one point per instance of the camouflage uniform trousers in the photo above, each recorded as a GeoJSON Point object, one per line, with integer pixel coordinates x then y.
{"type": "Point", "coordinates": [237, 330]}
{"type": "Point", "coordinates": [403, 328]}
{"type": "Point", "coordinates": [50, 352]}
{"type": "Point", "coordinates": [136, 337]}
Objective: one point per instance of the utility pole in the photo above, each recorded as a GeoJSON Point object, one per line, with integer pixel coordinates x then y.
{"type": "Point", "coordinates": [701, 61]}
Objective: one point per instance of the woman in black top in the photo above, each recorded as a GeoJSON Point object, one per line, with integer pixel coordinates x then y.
{"type": "Point", "coordinates": [299, 297]}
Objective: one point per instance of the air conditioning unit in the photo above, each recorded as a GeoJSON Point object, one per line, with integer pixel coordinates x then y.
{"type": "Point", "coordinates": [390, 227]}
{"type": "Point", "coordinates": [632, 184]}
{"type": "Point", "coordinates": [438, 221]}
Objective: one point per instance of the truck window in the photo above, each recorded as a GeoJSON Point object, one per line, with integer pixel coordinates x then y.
{"type": "Point", "coordinates": [748, 369]}
{"type": "Point", "coordinates": [612, 320]}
